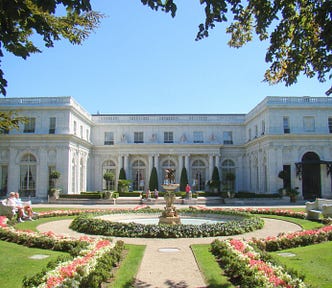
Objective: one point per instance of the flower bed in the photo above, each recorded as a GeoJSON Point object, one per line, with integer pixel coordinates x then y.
{"type": "Point", "coordinates": [88, 224]}
{"type": "Point", "coordinates": [296, 239]}
{"type": "Point", "coordinates": [92, 260]}
{"type": "Point", "coordinates": [267, 211]}
{"type": "Point", "coordinates": [246, 268]}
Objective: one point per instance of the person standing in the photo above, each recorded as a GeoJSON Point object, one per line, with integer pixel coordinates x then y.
{"type": "Point", "coordinates": [156, 194]}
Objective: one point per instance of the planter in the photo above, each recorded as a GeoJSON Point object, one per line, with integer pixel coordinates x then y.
{"type": "Point", "coordinates": [292, 198]}
{"type": "Point", "coordinates": [54, 193]}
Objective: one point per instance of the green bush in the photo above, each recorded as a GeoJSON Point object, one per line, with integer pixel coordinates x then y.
{"type": "Point", "coordinates": [244, 194]}
{"type": "Point", "coordinates": [238, 223]}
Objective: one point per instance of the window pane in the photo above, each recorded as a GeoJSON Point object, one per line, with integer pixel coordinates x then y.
{"type": "Point", "coordinates": [168, 137]}
{"type": "Point", "coordinates": [138, 137]}
{"type": "Point", "coordinates": [286, 125]}
{"type": "Point", "coordinates": [228, 137]}
{"type": "Point", "coordinates": [330, 124]}
{"type": "Point", "coordinates": [52, 125]}
{"type": "Point", "coordinates": [109, 138]}
{"type": "Point", "coordinates": [29, 126]}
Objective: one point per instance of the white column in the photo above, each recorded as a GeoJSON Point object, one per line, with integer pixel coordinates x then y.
{"type": "Point", "coordinates": [218, 161]}
{"type": "Point", "coordinates": [210, 166]}
{"type": "Point", "coordinates": [186, 164]}
{"type": "Point", "coordinates": [13, 171]}
{"type": "Point", "coordinates": [42, 184]}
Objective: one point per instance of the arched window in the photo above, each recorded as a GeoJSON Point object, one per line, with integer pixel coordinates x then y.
{"type": "Point", "coordinates": [138, 172]}
{"type": "Point", "coordinates": [109, 166]}
{"type": "Point", "coordinates": [168, 164]}
{"type": "Point", "coordinates": [198, 174]}
{"type": "Point", "coordinates": [28, 170]}
{"type": "Point", "coordinates": [228, 169]}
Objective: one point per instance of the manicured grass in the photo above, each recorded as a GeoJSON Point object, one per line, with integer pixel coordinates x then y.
{"type": "Point", "coordinates": [314, 261]}
{"type": "Point", "coordinates": [125, 275]}
{"type": "Point", "coordinates": [305, 224]}
{"type": "Point", "coordinates": [211, 270]}
{"type": "Point", "coordinates": [32, 225]}
{"type": "Point", "coordinates": [16, 263]}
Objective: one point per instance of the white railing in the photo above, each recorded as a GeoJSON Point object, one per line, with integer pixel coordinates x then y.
{"type": "Point", "coordinates": [289, 101]}
{"type": "Point", "coordinates": [171, 118]}
{"type": "Point", "coordinates": [44, 102]}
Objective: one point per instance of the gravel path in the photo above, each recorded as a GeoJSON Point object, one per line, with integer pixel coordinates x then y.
{"type": "Point", "coordinates": [170, 262]}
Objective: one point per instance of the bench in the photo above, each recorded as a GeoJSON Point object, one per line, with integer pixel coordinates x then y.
{"type": "Point", "coordinates": [6, 211]}
{"type": "Point", "coordinates": [318, 207]}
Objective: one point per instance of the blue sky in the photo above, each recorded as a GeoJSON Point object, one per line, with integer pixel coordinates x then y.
{"type": "Point", "coordinates": [142, 61]}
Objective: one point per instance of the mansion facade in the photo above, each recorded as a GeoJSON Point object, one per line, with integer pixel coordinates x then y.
{"type": "Point", "coordinates": [289, 134]}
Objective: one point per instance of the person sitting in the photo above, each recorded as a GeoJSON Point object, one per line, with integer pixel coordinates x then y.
{"type": "Point", "coordinates": [11, 201]}
{"type": "Point", "coordinates": [25, 206]}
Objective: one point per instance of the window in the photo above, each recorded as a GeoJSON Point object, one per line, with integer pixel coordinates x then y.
{"type": "Point", "coordinates": [228, 137]}
{"type": "Point", "coordinates": [75, 128]}
{"type": "Point", "coordinates": [330, 124]}
{"type": "Point", "coordinates": [109, 138]}
{"type": "Point", "coordinates": [87, 135]}
{"type": "Point", "coordinates": [81, 131]}
{"type": "Point", "coordinates": [256, 131]}
{"type": "Point", "coordinates": [28, 175]}
{"type": "Point", "coordinates": [52, 125]}
{"type": "Point", "coordinates": [3, 179]}
{"type": "Point", "coordinates": [168, 137]}
{"type": "Point", "coordinates": [198, 137]}
{"type": "Point", "coordinates": [286, 125]}
{"type": "Point", "coordinates": [249, 134]}
{"type": "Point", "coordinates": [263, 127]}
{"type": "Point", "coordinates": [309, 124]}
{"type": "Point", "coordinates": [138, 137]}
{"type": "Point", "coordinates": [30, 125]}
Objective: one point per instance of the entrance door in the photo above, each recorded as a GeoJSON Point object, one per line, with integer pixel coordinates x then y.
{"type": "Point", "coordinates": [311, 180]}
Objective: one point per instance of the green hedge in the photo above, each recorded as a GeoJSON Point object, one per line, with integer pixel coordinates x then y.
{"type": "Point", "coordinates": [247, 222]}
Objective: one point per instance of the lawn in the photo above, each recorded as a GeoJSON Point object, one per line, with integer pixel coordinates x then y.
{"type": "Point", "coordinates": [212, 272]}
{"type": "Point", "coordinates": [16, 263]}
{"type": "Point", "coordinates": [313, 261]}
{"type": "Point", "coordinates": [125, 275]}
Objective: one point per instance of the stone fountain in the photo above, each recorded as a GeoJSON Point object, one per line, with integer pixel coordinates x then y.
{"type": "Point", "coordinates": [169, 215]}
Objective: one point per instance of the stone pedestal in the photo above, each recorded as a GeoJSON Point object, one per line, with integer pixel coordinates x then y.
{"type": "Point", "coordinates": [170, 215]}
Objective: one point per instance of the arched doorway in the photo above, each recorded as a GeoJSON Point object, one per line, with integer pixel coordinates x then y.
{"type": "Point", "coordinates": [311, 178]}
{"type": "Point", "coordinates": [138, 171]}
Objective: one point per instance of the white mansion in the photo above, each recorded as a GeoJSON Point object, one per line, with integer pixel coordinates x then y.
{"type": "Point", "coordinates": [293, 134]}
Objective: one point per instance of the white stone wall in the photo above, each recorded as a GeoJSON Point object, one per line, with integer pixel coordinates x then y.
{"type": "Point", "coordinates": [79, 153]}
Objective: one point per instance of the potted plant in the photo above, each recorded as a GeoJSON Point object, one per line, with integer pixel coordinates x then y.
{"type": "Point", "coordinates": [292, 193]}
{"type": "Point", "coordinates": [108, 177]}
{"type": "Point", "coordinates": [54, 176]}
{"type": "Point", "coordinates": [214, 183]}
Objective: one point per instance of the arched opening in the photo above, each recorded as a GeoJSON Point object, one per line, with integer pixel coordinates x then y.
{"type": "Point", "coordinates": [138, 169]}
{"type": "Point", "coordinates": [198, 175]}
{"type": "Point", "coordinates": [28, 170]}
{"type": "Point", "coordinates": [311, 178]}
{"type": "Point", "coordinates": [109, 166]}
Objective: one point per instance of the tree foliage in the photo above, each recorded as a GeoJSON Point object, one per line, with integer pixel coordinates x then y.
{"type": "Point", "coordinates": [183, 179]}
{"type": "Point", "coordinates": [299, 31]}
{"type": "Point", "coordinates": [20, 20]}
{"type": "Point", "coordinates": [10, 120]}
{"type": "Point", "coordinates": [153, 183]}
{"type": "Point", "coordinates": [214, 183]}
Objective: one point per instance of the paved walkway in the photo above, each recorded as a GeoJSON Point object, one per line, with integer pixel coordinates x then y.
{"type": "Point", "coordinates": [170, 262]}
